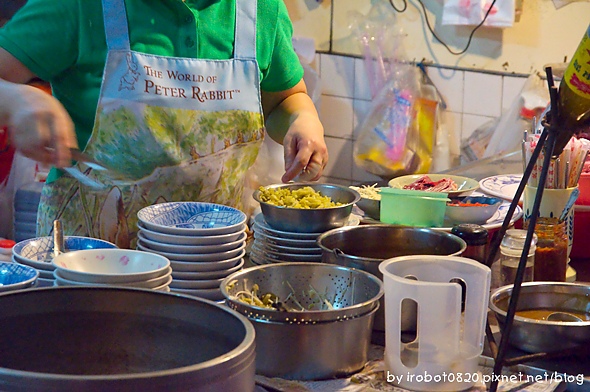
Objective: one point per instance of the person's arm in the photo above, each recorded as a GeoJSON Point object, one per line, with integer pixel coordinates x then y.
{"type": "Point", "coordinates": [39, 126]}
{"type": "Point", "coordinates": [292, 120]}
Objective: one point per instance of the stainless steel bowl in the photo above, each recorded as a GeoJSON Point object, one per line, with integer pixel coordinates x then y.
{"type": "Point", "coordinates": [371, 207]}
{"type": "Point", "coordinates": [310, 220]}
{"type": "Point", "coordinates": [535, 335]}
{"type": "Point", "coordinates": [107, 339]}
{"type": "Point", "coordinates": [364, 247]}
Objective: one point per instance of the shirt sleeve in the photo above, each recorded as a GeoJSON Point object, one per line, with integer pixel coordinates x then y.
{"type": "Point", "coordinates": [284, 70]}
{"type": "Point", "coordinates": [42, 36]}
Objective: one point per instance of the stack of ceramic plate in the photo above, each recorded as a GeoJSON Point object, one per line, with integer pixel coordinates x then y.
{"type": "Point", "coordinates": [275, 246]}
{"type": "Point", "coordinates": [112, 267]}
{"type": "Point", "coordinates": [38, 253]}
{"type": "Point", "coordinates": [205, 242]}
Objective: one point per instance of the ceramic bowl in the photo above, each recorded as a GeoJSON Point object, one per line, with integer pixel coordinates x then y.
{"type": "Point", "coordinates": [16, 277]}
{"type": "Point", "coordinates": [145, 284]}
{"type": "Point", "coordinates": [206, 266]}
{"type": "Point", "coordinates": [192, 218]}
{"type": "Point", "coordinates": [178, 239]}
{"type": "Point", "coordinates": [460, 210]}
{"type": "Point", "coordinates": [111, 265]}
{"type": "Point", "coordinates": [196, 257]}
{"type": "Point", "coordinates": [196, 284]}
{"type": "Point", "coordinates": [207, 275]}
{"type": "Point", "coordinates": [191, 249]}
{"type": "Point", "coordinates": [465, 185]}
{"type": "Point", "coordinates": [38, 252]}
{"type": "Point", "coordinates": [310, 220]}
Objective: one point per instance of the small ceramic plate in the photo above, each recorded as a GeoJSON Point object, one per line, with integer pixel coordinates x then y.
{"type": "Point", "coordinates": [503, 186]}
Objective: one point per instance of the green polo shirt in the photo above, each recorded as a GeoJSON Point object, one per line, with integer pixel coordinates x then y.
{"type": "Point", "coordinates": [63, 42]}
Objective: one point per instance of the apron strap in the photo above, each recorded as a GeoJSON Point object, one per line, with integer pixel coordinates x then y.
{"type": "Point", "coordinates": [115, 24]}
{"type": "Point", "coordinates": [245, 39]}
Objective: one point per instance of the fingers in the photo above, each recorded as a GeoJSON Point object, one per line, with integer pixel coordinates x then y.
{"type": "Point", "coordinates": [305, 164]}
{"type": "Point", "coordinates": [41, 129]}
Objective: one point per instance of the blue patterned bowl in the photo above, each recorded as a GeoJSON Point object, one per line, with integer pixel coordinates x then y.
{"type": "Point", "coordinates": [14, 276]}
{"type": "Point", "coordinates": [38, 252]}
{"type": "Point", "coordinates": [192, 218]}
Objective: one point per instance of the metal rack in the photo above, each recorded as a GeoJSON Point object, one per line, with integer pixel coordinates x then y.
{"type": "Point", "coordinates": [547, 142]}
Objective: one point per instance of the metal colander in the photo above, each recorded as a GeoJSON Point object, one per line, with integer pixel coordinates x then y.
{"type": "Point", "coordinates": [308, 292]}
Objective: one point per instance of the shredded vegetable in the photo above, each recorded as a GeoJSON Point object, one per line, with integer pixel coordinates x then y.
{"type": "Point", "coordinates": [368, 191]}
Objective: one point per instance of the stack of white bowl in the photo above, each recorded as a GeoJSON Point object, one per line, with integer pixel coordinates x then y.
{"type": "Point", "coordinates": [112, 267]}
{"type": "Point", "coordinates": [38, 253]}
{"type": "Point", "coordinates": [205, 242]}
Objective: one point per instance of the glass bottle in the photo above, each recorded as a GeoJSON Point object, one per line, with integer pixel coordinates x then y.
{"type": "Point", "coordinates": [551, 252]}
{"type": "Point", "coordinates": [573, 113]}
{"type": "Point", "coordinates": [511, 249]}
{"type": "Point", "coordinates": [476, 238]}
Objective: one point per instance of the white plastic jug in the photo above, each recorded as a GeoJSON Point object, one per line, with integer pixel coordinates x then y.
{"type": "Point", "coordinates": [444, 355]}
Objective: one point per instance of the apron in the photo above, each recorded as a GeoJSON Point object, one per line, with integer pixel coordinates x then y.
{"type": "Point", "coordinates": [180, 129]}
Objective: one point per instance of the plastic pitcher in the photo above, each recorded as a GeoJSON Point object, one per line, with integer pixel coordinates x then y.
{"type": "Point", "coordinates": [451, 294]}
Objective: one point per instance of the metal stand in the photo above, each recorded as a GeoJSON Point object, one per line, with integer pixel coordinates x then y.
{"type": "Point", "coordinates": [546, 141]}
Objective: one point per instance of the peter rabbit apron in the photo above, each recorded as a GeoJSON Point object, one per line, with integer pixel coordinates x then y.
{"type": "Point", "coordinates": [180, 129]}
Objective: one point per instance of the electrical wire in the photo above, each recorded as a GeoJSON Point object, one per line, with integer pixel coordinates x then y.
{"type": "Point", "coordinates": [400, 10]}
{"type": "Point", "coordinates": [432, 29]}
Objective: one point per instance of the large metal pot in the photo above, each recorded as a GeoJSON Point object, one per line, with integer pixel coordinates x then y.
{"type": "Point", "coordinates": [107, 339]}
{"type": "Point", "coordinates": [366, 246]}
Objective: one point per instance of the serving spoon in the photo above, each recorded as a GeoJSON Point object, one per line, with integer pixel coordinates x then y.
{"type": "Point", "coordinates": [563, 316]}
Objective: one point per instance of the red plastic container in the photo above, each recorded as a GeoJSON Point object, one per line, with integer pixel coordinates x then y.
{"type": "Point", "coordinates": [584, 187]}
{"type": "Point", "coordinates": [580, 249]}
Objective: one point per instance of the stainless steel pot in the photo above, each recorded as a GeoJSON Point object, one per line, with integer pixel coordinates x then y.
{"type": "Point", "coordinates": [106, 339]}
{"type": "Point", "coordinates": [364, 247]}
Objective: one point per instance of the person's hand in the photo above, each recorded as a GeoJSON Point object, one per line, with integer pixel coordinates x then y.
{"type": "Point", "coordinates": [306, 154]}
{"type": "Point", "coordinates": [39, 126]}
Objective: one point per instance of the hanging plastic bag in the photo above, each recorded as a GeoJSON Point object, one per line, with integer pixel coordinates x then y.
{"type": "Point", "coordinates": [397, 135]}
{"type": "Point", "coordinates": [388, 136]}
{"type": "Point", "coordinates": [380, 40]}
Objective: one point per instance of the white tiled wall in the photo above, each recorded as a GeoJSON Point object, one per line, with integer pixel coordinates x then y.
{"type": "Point", "coordinates": [472, 99]}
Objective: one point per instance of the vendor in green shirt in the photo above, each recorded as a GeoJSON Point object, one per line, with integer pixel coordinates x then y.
{"type": "Point", "coordinates": [180, 104]}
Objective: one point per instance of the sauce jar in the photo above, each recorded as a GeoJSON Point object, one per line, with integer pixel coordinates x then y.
{"type": "Point", "coordinates": [511, 249]}
{"type": "Point", "coordinates": [551, 253]}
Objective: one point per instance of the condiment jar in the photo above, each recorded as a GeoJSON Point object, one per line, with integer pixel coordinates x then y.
{"type": "Point", "coordinates": [551, 254]}
{"type": "Point", "coordinates": [476, 238]}
{"type": "Point", "coordinates": [6, 249]}
{"type": "Point", "coordinates": [510, 252]}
